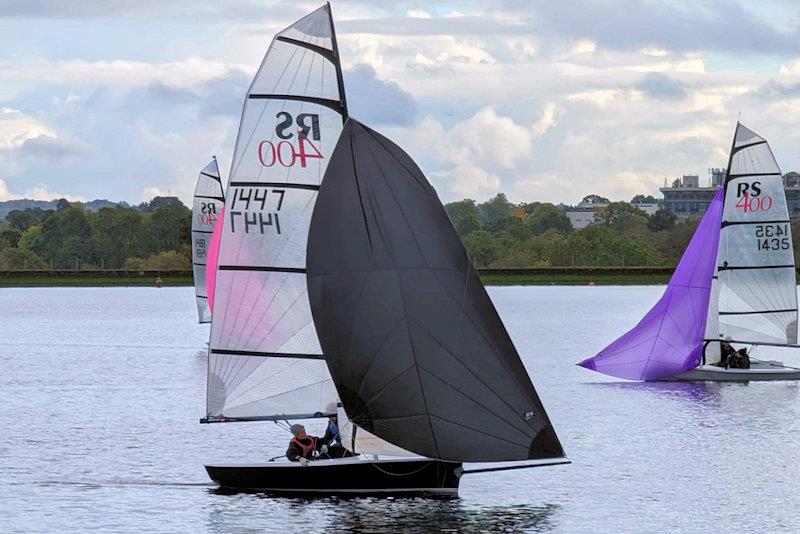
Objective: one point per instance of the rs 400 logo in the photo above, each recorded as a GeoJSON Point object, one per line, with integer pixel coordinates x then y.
{"type": "Point", "coordinates": [750, 198]}
{"type": "Point", "coordinates": [296, 145]}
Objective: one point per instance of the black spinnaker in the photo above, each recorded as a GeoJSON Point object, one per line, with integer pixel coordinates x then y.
{"type": "Point", "coordinates": [415, 347]}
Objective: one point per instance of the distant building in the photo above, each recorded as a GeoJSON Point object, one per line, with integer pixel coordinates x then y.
{"type": "Point", "coordinates": [686, 198]}
{"type": "Point", "coordinates": [580, 219]}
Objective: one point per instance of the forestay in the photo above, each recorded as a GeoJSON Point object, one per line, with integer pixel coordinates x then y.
{"type": "Point", "coordinates": [418, 353]}
{"type": "Point", "coordinates": [265, 361]}
{"type": "Point", "coordinates": [757, 288]}
{"type": "Point", "coordinates": [206, 206]}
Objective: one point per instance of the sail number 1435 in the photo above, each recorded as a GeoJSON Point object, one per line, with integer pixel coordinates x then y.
{"type": "Point", "coordinates": [773, 237]}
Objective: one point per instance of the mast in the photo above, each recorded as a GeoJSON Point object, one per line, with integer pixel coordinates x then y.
{"type": "Point", "coordinates": [338, 64]}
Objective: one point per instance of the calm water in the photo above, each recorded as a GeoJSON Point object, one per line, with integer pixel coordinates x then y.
{"type": "Point", "coordinates": [102, 389]}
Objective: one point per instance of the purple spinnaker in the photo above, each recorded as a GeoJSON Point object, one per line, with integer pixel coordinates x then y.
{"type": "Point", "coordinates": [669, 339]}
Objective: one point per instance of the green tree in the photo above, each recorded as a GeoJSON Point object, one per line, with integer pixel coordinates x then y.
{"type": "Point", "coordinates": [481, 247]}
{"type": "Point", "coordinates": [622, 217]}
{"type": "Point", "coordinates": [546, 217]}
{"type": "Point", "coordinates": [594, 199]}
{"type": "Point", "coordinates": [464, 215]}
{"type": "Point", "coordinates": [167, 228]}
{"type": "Point", "coordinates": [117, 235]}
{"type": "Point", "coordinates": [9, 238]}
{"type": "Point", "coordinates": [24, 219]}
{"type": "Point", "coordinates": [19, 259]}
{"type": "Point", "coordinates": [661, 220]}
{"type": "Point", "coordinates": [495, 209]}
{"type": "Point", "coordinates": [642, 199]}
{"type": "Point", "coordinates": [66, 238]}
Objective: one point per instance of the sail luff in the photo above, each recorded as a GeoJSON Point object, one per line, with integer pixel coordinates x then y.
{"type": "Point", "coordinates": [265, 360]}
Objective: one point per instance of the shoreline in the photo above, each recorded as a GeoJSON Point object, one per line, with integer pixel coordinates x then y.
{"type": "Point", "coordinates": [571, 276]}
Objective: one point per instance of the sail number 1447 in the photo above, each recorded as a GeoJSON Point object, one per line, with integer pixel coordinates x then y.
{"type": "Point", "coordinates": [773, 237]}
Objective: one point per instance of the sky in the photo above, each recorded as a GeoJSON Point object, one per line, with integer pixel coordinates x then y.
{"type": "Point", "coordinates": [541, 100]}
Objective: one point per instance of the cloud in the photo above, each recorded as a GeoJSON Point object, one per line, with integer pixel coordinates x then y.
{"type": "Point", "coordinates": [149, 193]}
{"type": "Point", "coordinates": [16, 128]}
{"type": "Point", "coordinates": [378, 102]}
{"type": "Point", "coordinates": [662, 87]}
{"type": "Point", "coordinates": [54, 149]}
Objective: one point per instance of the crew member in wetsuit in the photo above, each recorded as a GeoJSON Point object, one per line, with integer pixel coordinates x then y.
{"type": "Point", "coordinates": [302, 446]}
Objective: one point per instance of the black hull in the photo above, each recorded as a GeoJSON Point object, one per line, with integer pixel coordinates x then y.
{"type": "Point", "coordinates": [343, 477]}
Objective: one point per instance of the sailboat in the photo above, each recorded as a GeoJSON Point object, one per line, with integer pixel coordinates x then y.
{"type": "Point", "coordinates": [735, 283]}
{"type": "Point", "coordinates": [209, 199]}
{"type": "Point", "coordinates": [341, 282]}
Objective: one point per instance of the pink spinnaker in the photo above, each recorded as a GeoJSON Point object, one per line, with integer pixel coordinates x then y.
{"type": "Point", "coordinates": [669, 339]}
{"type": "Point", "coordinates": [213, 258]}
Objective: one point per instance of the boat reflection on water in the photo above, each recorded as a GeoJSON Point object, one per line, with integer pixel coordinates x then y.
{"type": "Point", "coordinates": [367, 514]}
{"type": "Point", "coordinates": [696, 391]}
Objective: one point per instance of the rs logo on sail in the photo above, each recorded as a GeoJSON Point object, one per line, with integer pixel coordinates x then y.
{"type": "Point", "coordinates": [296, 145]}
{"type": "Point", "coordinates": [750, 199]}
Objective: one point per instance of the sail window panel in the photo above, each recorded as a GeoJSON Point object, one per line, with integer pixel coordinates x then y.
{"type": "Point", "coordinates": [251, 386]}
{"type": "Point", "coordinates": [314, 27]}
{"type": "Point", "coordinates": [293, 70]}
{"type": "Point", "coordinates": [745, 136]}
{"type": "Point", "coordinates": [766, 328]}
{"type": "Point", "coordinates": [745, 291]}
{"type": "Point", "coordinates": [267, 226]}
{"type": "Point", "coordinates": [269, 148]}
{"type": "Point", "coordinates": [756, 159]}
{"type": "Point", "coordinates": [743, 203]}
{"type": "Point", "coordinates": [756, 245]}
{"type": "Point", "coordinates": [262, 312]}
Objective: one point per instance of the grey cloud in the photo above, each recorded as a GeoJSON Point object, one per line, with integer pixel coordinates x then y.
{"type": "Point", "coordinates": [662, 87]}
{"type": "Point", "coordinates": [82, 9]}
{"type": "Point", "coordinates": [376, 101]}
{"type": "Point", "coordinates": [54, 149]}
{"type": "Point", "coordinates": [776, 90]}
{"type": "Point", "coordinates": [722, 25]}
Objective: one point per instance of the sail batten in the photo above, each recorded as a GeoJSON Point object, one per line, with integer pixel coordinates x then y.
{"type": "Point", "coordinates": [263, 338]}
{"type": "Point", "coordinates": [207, 205]}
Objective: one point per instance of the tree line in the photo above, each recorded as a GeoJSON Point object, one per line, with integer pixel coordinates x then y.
{"type": "Point", "coordinates": [156, 235]}
{"type": "Point", "coordinates": [499, 234]}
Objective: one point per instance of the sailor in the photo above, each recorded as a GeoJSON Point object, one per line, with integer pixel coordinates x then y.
{"type": "Point", "coordinates": [740, 360]}
{"type": "Point", "coordinates": [332, 435]}
{"type": "Point", "coordinates": [302, 446]}
{"type": "Point", "coordinates": [725, 352]}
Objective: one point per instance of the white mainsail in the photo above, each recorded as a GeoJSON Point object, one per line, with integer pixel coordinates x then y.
{"type": "Point", "coordinates": [208, 201]}
{"type": "Point", "coordinates": [755, 262]}
{"type": "Point", "coordinates": [265, 360]}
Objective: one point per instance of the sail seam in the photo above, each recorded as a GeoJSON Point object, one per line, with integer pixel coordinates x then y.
{"type": "Point", "coordinates": [210, 176]}
{"type": "Point", "coordinates": [740, 148]}
{"type": "Point", "coordinates": [208, 196]}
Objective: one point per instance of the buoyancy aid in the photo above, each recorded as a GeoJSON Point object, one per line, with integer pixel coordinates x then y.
{"type": "Point", "coordinates": [308, 449]}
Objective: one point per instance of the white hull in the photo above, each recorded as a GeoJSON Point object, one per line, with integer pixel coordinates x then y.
{"type": "Point", "coordinates": [759, 371]}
